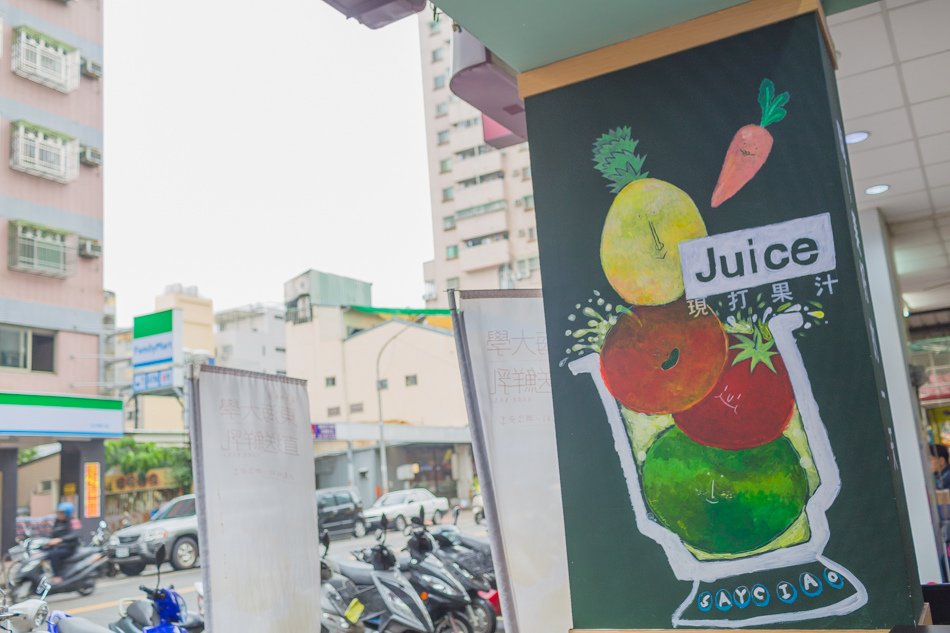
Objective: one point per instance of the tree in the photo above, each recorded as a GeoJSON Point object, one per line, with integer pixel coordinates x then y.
{"type": "Point", "coordinates": [25, 455]}
{"type": "Point", "coordinates": [140, 457]}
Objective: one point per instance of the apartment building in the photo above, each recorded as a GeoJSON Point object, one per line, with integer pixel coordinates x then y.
{"type": "Point", "coordinates": [52, 305]}
{"type": "Point", "coordinates": [251, 338]}
{"type": "Point", "coordinates": [483, 222]}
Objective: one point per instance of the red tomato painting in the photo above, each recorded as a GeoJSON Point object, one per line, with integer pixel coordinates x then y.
{"type": "Point", "coordinates": [751, 403]}
{"type": "Point", "coordinates": [662, 359]}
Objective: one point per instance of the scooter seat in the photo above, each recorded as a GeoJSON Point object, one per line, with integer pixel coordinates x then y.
{"type": "Point", "coordinates": [143, 613]}
{"type": "Point", "coordinates": [359, 573]}
{"type": "Point", "coordinates": [191, 622]}
{"type": "Point", "coordinates": [78, 625]}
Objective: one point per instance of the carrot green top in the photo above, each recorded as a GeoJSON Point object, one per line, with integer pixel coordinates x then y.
{"type": "Point", "coordinates": [614, 157]}
{"type": "Point", "coordinates": [772, 110]}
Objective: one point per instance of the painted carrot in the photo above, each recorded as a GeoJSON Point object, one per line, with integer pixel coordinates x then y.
{"type": "Point", "coordinates": [750, 146]}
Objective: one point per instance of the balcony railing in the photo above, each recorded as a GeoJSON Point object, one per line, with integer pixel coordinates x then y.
{"type": "Point", "coordinates": [45, 60]}
{"type": "Point", "coordinates": [41, 251]}
{"type": "Point", "coordinates": [489, 255]}
{"type": "Point", "coordinates": [44, 153]}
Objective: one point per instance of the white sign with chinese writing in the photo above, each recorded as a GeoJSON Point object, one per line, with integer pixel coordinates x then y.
{"type": "Point", "coordinates": [753, 257]}
{"type": "Point", "coordinates": [508, 349]}
{"type": "Point", "coordinates": [254, 472]}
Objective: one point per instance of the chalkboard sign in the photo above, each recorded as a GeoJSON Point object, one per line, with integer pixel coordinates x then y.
{"type": "Point", "coordinates": [724, 443]}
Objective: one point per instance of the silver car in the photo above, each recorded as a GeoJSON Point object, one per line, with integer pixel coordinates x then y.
{"type": "Point", "coordinates": [175, 524]}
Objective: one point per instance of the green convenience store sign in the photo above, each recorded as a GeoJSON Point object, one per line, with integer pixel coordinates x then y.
{"type": "Point", "coordinates": [62, 416]}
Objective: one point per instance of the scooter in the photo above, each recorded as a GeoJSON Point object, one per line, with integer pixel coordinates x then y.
{"type": "Point", "coordinates": [448, 601]}
{"type": "Point", "coordinates": [79, 573]}
{"type": "Point", "coordinates": [33, 616]}
{"type": "Point", "coordinates": [340, 615]}
{"type": "Point", "coordinates": [100, 540]}
{"type": "Point", "coordinates": [478, 508]}
{"type": "Point", "coordinates": [470, 553]}
{"type": "Point", "coordinates": [163, 610]}
{"type": "Point", "coordinates": [384, 599]}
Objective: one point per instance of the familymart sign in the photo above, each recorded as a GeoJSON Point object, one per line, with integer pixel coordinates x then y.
{"type": "Point", "coordinates": [157, 340]}
{"type": "Point", "coordinates": [63, 416]}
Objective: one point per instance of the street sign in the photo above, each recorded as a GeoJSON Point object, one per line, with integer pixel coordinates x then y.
{"type": "Point", "coordinates": [324, 432]}
{"type": "Point", "coordinates": [157, 348]}
{"type": "Point", "coordinates": [153, 380]}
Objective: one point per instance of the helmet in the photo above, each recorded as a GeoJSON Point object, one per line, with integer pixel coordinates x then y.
{"type": "Point", "coordinates": [66, 508]}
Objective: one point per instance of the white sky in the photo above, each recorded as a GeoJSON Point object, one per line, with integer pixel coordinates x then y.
{"type": "Point", "coordinates": [246, 142]}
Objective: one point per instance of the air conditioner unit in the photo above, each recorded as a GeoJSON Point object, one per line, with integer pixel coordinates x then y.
{"type": "Point", "coordinates": [91, 69]}
{"type": "Point", "coordinates": [90, 156]}
{"type": "Point", "coordinates": [516, 172]}
{"type": "Point", "coordinates": [90, 249]}
{"type": "Point", "coordinates": [519, 202]}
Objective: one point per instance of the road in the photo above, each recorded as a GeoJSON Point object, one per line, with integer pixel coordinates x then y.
{"type": "Point", "coordinates": [102, 606]}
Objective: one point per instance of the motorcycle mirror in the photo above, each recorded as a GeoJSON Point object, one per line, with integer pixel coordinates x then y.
{"type": "Point", "coordinates": [455, 515]}
{"type": "Point", "coordinates": [417, 520]}
{"type": "Point", "coordinates": [43, 588]}
{"type": "Point", "coordinates": [422, 513]}
{"type": "Point", "coordinates": [384, 522]}
{"type": "Point", "coordinates": [325, 540]}
{"type": "Point", "coordinates": [379, 535]}
{"type": "Point", "coordinates": [103, 524]}
{"type": "Point", "coordinates": [160, 555]}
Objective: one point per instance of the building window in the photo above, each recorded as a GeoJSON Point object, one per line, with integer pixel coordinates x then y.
{"type": "Point", "coordinates": [465, 153]}
{"type": "Point", "coordinates": [41, 152]}
{"type": "Point", "coordinates": [452, 283]}
{"type": "Point", "coordinates": [448, 194]}
{"type": "Point", "coordinates": [526, 173]}
{"type": "Point", "coordinates": [382, 384]}
{"type": "Point", "coordinates": [439, 82]}
{"type": "Point", "coordinates": [435, 27]}
{"type": "Point", "coordinates": [466, 123]}
{"type": "Point", "coordinates": [443, 137]}
{"type": "Point", "coordinates": [281, 350]}
{"type": "Point", "coordinates": [412, 381]}
{"type": "Point", "coordinates": [523, 146]}
{"type": "Point", "coordinates": [26, 349]}
{"type": "Point", "coordinates": [47, 61]}
{"type": "Point", "coordinates": [331, 381]}
{"type": "Point", "coordinates": [529, 202]}
{"type": "Point", "coordinates": [481, 209]}
{"type": "Point", "coordinates": [527, 265]}
{"type": "Point", "coordinates": [448, 222]}
{"type": "Point", "coordinates": [445, 165]}
{"type": "Point", "coordinates": [487, 239]}
{"type": "Point", "coordinates": [441, 109]}
{"type": "Point", "coordinates": [506, 280]}
{"type": "Point", "coordinates": [438, 54]}
{"type": "Point", "coordinates": [452, 252]}
{"type": "Point", "coordinates": [429, 291]}
{"type": "Point", "coordinates": [333, 412]}
{"type": "Point", "coordinates": [532, 233]}
{"type": "Point", "coordinates": [495, 175]}
{"type": "Point", "coordinates": [468, 182]}
{"type": "Point", "coordinates": [356, 408]}
{"type": "Point", "coordinates": [41, 251]}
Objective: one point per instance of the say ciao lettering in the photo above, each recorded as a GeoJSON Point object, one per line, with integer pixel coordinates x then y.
{"type": "Point", "coordinates": [727, 262]}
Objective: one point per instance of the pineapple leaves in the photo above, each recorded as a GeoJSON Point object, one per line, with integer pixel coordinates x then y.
{"type": "Point", "coordinates": [773, 109]}
{"type": "Point", "coordinates": [616, 159]}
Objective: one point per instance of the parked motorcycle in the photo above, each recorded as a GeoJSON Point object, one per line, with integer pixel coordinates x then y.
{"type": "Point", "coordinates": [470, 553]}
{"type": "Point", "coordinates": [383, 599]}
{"type": "Point", "coordinates": [100, 540]}
{"type": "Point", "coordinates": [79, 572]}
{"type": "Point", "coordinates": [33, 616]}
{"type": "Point", "coordinates": [478, 508]}
{"type": "Point", "coordinates": [163, 610]}
{"type": "Point", "coordinates": [340, 615]}
{"type": "Point", "coordinates": [452, 593]}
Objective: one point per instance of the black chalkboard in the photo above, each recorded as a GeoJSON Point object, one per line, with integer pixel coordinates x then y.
{"type": "Point", "coordinates": [809, 500]}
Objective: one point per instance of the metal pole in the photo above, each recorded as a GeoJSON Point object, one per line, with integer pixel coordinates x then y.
{"type": "Point", "coordinates": [383, 466]}
{"type": "Point", "coordinates": [350, 472]}
{"type": "Point", "coordinates": [485, 479]}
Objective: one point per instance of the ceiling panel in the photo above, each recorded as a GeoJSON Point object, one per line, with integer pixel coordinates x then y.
{"type": "Point", "coordinates": [924, 236]}
{"type": "Point", "coordinates": [893, 4]}
{"type": "Point", "coordinates": [932, 117]}
{"type": "Point", "coordinates": [940, 196]}
{"type": "Point", "coordinates": [885, 160]}
{"type": "Point", "coordinates": [870, 92]}
{"type": "Point", "coordinates": [900, 182]}
{"type": "Point", "coordinates": [936, 149]}
{"type": "Point", "coordinates": [928, 77]}
{"type": "Point", "coordinates": [888, 127]}
{"type": "Point", "coordinates": [854, 14]}
{"type": "Point", "coordinates": [938, 175]}
{"type": "Point", "coordinates": [860, 39]}
{"type": "Point", "coordinates": [921, 28]}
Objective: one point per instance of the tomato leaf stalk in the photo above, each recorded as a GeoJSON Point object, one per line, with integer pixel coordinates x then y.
{"type": "Point", "coordinates": [756, 350]}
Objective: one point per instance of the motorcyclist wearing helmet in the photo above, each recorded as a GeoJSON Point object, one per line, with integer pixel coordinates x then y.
{"type": "Point", "coordinates": [64, 539]}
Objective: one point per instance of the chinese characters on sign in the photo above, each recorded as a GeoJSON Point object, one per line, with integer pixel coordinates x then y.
{"type": "Point", "coordinates": [250, 431]}
{"type": "Point", "coordinates": [92, 505]}
{"type": "Point", "coordinates": [519, 370]}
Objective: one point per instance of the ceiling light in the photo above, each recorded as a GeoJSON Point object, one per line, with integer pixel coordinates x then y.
{"type": "Point", "coordinates": [876, 189]}
{"type": "Point", "coordinates": [856, 137]}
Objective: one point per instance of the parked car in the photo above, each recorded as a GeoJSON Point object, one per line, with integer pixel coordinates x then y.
{"type": "Point", "coordinates": [340, 511]}
{"type": "Point", "coordinates": [175, 524]}
{"type": "Point", "coordinates": [400, 506]}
